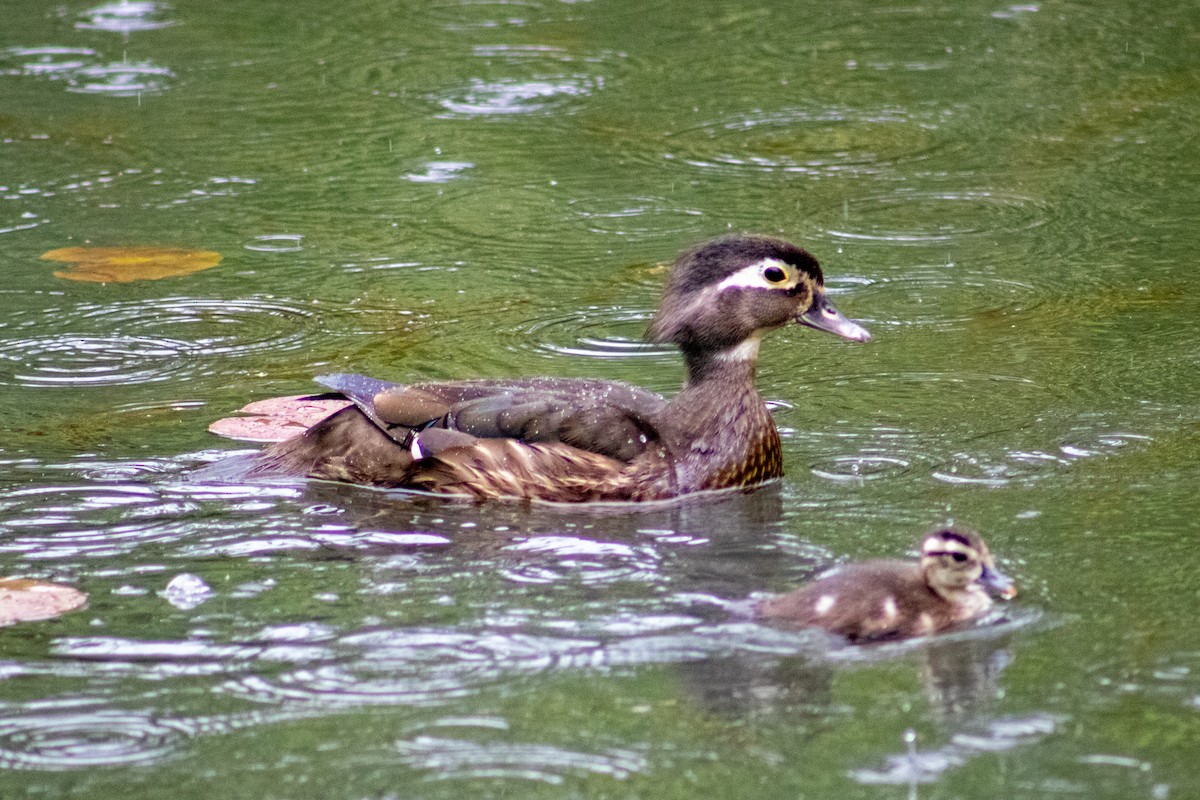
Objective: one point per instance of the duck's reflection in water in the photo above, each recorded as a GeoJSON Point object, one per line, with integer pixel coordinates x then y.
{"type": "Point", "coordinates": [718, 543]}
{"type": "Point", "coordinates": [959, 677]}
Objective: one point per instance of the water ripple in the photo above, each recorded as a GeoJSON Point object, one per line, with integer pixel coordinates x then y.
{"type": "Point", "coordinates": [276, 243]}
{"type": "Point", "coordinates": [45, 62]}
{"type": "Point", "coordinates": [465, 15]}
{"type": "Point", "coordinates": [84, 71]}
{"type": "Point", "coordinates": [102, 520]}
{"type": "Point", "coordinates": [909, 216]}
{"type": "Point", "coordinates": [505, 216]}
{"type": "Point", "coordinates": [552, 559]}
{"type": "Point", "coordinates": [986, 469]}
{"type": "Point", "coordinates": [431, 667]}
{"type": "Point", "coordinates": [542, 54]}
{"type": "Point", "coordinates": [697, 644]}
{"type": "Point", "coordinates": [22, 222]}
{"type": "Point", "coordinates": [927, 766]}
{"type": "Point", "coordinates": [860, 467]}
{"type": "Point", "coordinates": [546, 95]}
{"type": "Point", "coordinates": [440, 172]}
{"type": "Point", "coordinates": [132, 187]}
{"type": "Point", "coordinates": [58, 522]}
{"type": "Point", "coordinates": [71, 360]}
{"type": "Point", "coordinates": [804, 141]}
{"type": "Point", "coordinates": [856, 42]}
{"type": "Point", "coordinates": [260, 324]}
{"type": "Point", "coordinates": [156, 339]}
{"type": "Point", "coordinates": [495, 80]}
{"type": "Point", "coordinates": [636, 217]}
{"type": "Point", "coordinates": [58, 735]}
{"type": "Point", "coordinates": [1016, 464]}
{"type": "Point", "coordinates": [409, 667]}
{"type": "Point", "coordinates": [954, 392]}
{"type": "Point", "coordinates": [593, 332]}
{"type": "Point", "coordinates": [85, 738]}
{"type": "Point", "coordinates": [1087, 443]}
{"type": "Point", "coordinates": [942, 296]}
{"type": "Point", "coordinates": [125, 16]}
{"type": "Point", "coordinates": [458, 759]}
{"type": "Point", "coordinates": [122, 79]}
{"type": "Point", "coordinates": [112, 649]}
{"type": "Point", "coordinates": [159, 660]}
{"type": "Point", "coordinates": [999, 452]}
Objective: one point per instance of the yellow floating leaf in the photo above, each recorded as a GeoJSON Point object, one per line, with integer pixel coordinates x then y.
{"type": "Point", "coordinates": [125, 264]}
{"type": "Point", "coordinates": [25, 600]}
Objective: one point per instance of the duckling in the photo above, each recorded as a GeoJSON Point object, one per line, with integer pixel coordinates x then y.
{"type": "Point", "coordinates": [586, 440]}
{"type": "Point", "coordinates": [878, 600]}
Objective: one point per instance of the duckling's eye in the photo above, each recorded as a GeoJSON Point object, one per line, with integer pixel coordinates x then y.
{"type": "Point", "coordinates": [959, 558]}
{"type": "Point", "coordinates": [775, 274]}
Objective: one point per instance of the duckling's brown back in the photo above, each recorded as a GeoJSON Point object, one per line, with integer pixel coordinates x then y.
{"type": "Point", "coordinates": [871, 601]}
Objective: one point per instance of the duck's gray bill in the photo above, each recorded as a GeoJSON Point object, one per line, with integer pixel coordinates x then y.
{"type": "Point", "coordinates": [824, 316]}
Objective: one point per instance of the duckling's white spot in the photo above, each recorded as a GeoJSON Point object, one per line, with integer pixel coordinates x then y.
{"type": "Point", "coordinates": [415, 448]}
{"type": "Point", "coordinates": [824, 603]}
{"type": "Point", "coordinates": [890, 611]}
{"type": "Point", "coordinates": [925, 623]}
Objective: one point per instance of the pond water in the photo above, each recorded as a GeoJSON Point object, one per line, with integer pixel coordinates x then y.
{"type": "Point", "coordinates": [1004, 194]}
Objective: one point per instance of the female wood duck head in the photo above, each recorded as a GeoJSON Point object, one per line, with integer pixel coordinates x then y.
{"type": "Point", "coordinates": [878, 600]}
{"type": "Point", "coordinates": [723, 295]}
{"type": "Point", "coordinates": [577, 440]}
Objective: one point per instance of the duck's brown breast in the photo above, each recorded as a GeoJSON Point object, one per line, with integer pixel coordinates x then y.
{"type": "Point", "coordinates": [763, 461]}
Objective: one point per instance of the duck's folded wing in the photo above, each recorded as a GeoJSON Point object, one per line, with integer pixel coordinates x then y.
{"type": "Point", "coordinates": [388, 405]}
{"type": "Point", "coordinates": [604, 417]}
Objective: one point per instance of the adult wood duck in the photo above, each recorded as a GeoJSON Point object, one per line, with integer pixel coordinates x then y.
{"type": "Point", "coordinates": [879, 600]}
{"type": "Point", "coordinates": [579, 440]}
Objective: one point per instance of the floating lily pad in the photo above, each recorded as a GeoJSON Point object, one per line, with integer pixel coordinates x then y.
{"type": "Point", "coordinates": [25, 600]}
{"type": "Point", "coordinates": [125, 264]}
{"type": "Point", "coordinates": [277, 419]}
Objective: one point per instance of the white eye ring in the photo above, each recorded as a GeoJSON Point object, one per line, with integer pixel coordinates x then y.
{"type": "Point", "coordinates": [754, 276]}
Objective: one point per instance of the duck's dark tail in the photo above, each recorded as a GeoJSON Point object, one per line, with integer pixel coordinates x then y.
{"type": "Point", "coordinates": [233, 469]}
{"type": "Point", "coordinates": [345, 446]}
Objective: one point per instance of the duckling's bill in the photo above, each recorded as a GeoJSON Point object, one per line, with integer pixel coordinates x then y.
{"type": "Point", "coordinates": [824, 316]}
{"type": "Point", "coordinates": [998, 583]}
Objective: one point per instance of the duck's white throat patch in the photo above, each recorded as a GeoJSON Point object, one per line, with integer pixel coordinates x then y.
{"type": "Point", "coordinates": [746, 351]}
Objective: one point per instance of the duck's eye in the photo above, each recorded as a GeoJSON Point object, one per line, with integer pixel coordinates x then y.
{"type": "Point", "coordinates": [959, 558]}
{"type": "Point", "coordinates": [775, 274]}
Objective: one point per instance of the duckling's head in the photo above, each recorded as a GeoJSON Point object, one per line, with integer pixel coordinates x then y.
{"type": "Point", "coordinates": [955, 559]}
{"type": "Point", "coordinates": [723, 294]}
